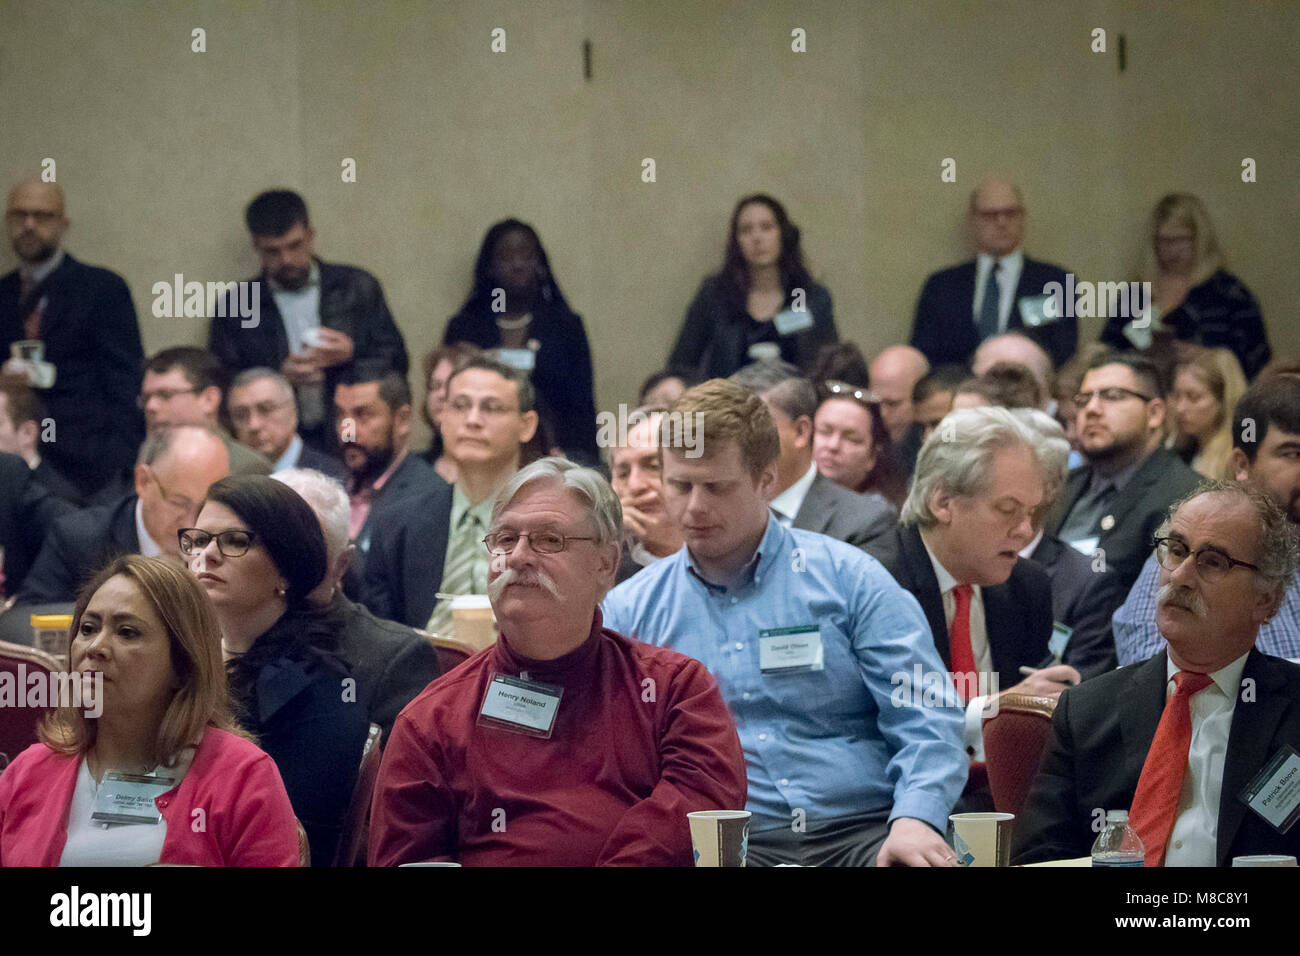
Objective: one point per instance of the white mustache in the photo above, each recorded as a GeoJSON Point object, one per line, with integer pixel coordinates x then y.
{"type": "Point", "coordinates": [510, 576]}
{"type": "Point", "coordinates": [1179, 596]}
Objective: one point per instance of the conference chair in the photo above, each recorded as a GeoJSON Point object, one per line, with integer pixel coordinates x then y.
{"type": "Point", "coordinates": [1014, 740]}
{"type": "Point", "coordinates": [18, 724]}
{"type": "Point", "coordinates": [356, 823]}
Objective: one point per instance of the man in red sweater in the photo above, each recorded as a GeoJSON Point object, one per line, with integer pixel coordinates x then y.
{"type": "Point", "coordinates": [565, 743]}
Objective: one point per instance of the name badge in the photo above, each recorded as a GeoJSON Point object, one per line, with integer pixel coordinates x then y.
{"type": "Point", "coordinates": [521, 706]}
{"type": "Point", "coordinates": [1033, 311]}
{"type": "Point", "coordinates": [1059, 639]}
{"type": "Point", "coordinates": [789, 321]}
{"type": "Point", "coordinates": [523, 359]}
{"type": "Point", "coordinates": [1274, 793]}
{"type": "Point", "coordinates": [1085, 546]}
{"type": "Point", "coordinates": [782, 650]}
{"type": "Point", "coordinates": [129, 798]}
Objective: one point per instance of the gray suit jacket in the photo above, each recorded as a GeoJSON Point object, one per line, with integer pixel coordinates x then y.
{"type": "Point", "coordinates": [837, 512]}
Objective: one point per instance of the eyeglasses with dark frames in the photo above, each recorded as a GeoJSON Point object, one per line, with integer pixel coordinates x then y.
{"type": "Point", "coordinates": [1211, 563]}
{"type": "Point", "coordinates": [1108, 395]}
{"type": "Point", "coordinates": [233, 543]}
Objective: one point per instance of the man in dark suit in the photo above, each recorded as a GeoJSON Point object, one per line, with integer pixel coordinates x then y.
{"type": "Point", "coordinates": [432, 541]}
{"type": "Point", "coordinates": [1000, 290]}
{"type": "Point", "coordinates": [84, 319]}
{"type": "Point", "coordinates": [265, 417]}
{"type": "Point", "coordinates": [1082, 598]}
{"type": "Point", "coordinates": [1111, 506]}
{"type": "Point", "coordinates": [22, 420]}
{"type": "Point", "coordinates": [313, 318]}
{"type": "Point", "coordinates": [1211, 711]}
{"type": "Point", "coordinates": [176, 467]}
{"type": "Point", "coordinates": [804, 498]}
{"type": "Point", "coordinates": [27, 511]}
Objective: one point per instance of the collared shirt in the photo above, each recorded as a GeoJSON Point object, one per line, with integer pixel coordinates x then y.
{"type": "Point", "coordinates": [299, 308]}
{"type": "Point", "coordinates": [362, 498]}
{"type": "Point", "coordinates": [463, 548]}
{"type": "Point", "coordinates": [1009, 269]}
{"type": "Point", "coordinates": [1193, 840]}
{"type": "Point", "coordinates": [788, 502]}
{"type": "Point", "coordinates": [856, 736]}
{"type": "Point", "coordinates": [148, 546]}
{"type": "Point", "coordinates": [35, 275]}
{"type": "Point", "coordinates": [1137, 638]}
{"type": "Point", "coordinates": [291, 455]}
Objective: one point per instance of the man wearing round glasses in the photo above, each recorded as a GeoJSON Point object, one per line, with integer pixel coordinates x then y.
{"type": "Point", "coordinates": [1199, 741]}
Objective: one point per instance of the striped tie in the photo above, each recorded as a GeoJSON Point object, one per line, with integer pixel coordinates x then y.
{"type": "Point", "coordinates": [465, 571]}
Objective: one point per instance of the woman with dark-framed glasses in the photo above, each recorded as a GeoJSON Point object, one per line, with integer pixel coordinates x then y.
{"type": "Point", "coordinates": [258, 551]}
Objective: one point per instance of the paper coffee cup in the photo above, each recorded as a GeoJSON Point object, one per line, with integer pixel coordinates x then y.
{"type": "Point", "coordinates": [472, 620]}
{"type": "Point", "coordinates": [27, 350]}
{"type": "Point", "coordinates": [1264, 859]}
{"type": "Point", "coordinates": [982, 839]}
{"type": "Point", "coordinates": [719, 837]}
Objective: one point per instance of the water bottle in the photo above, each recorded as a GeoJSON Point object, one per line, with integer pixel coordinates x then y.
{"type": "Point", "coordinates": [1118, 844]}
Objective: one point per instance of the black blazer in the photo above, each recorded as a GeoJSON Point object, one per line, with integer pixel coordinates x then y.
{"type": "Point", "coordinates": [833, 510]}
{"type": "Point", "coordinates": [944, 327]}
{"type": "Point", "coordinates": [325, 464]}
{"type": "Point", "coordinates": [27, 511]}
{"type": "Point", "coordinates": [1101, 733]}
{"type": "Point", "coordinates": [408, 545]}
{"type": "Point", "coordinates": [1017, 613]}
{"type": "Point", "coordinates": [77, 546]}
{"type": "Point", "coordinates": [1137, 511]}
{"type": "Point", "coordinates": [351, 302]}
{"type": "Point", "coordinates": [45, 475]}
{"type": "Point", "coordinates": [1082, 599]}
{"type": "Point", "coordinates": [92, 339]}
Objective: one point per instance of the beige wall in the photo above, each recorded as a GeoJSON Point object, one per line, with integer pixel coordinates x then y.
{"type": "Point", "coordinates": [160, 148]}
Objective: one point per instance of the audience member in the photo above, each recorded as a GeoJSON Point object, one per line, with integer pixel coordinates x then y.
{"type": "Point", "coordinates": [661, 389]}
{"type": "Point", "coordinates": [1111, 506]}
{"type": "Point", "coordinates": [617, 741]}
{"type": "Point", "coordinates": [1169, 739]}
{"type": "Point", "coordinates": [390, 663]}
{"type": "Point", "coordinates": [1004, 384]}
{"type": "Point", "coordinates": [1194, 298]}
{"type": "Point", "coordinates": [841, 362]}
{"type": "Point", "coordinates": [762, 304]}
{"type": "Point", "coordinates": [183, 386]}
{"type": "Point", "coordinates": [1019, 349]}
{"type": "Point", "coordinates": [314, 318]}
{"type": "Point", "coordinates": [805, 633]}
{"type": "Point", "coordinates": [517, 308]}
{"type": "Point", "coordinates": [894, 373]}
{"type": "Point", "coordinates": [258, 551]}
{"type": "Point", "coordinates": [851, 445]}
{"type": "Point", "coordinates": [932, 396]}
{"type": "Point", "coordinates": [1207, 386]}
{"type": "Point", "coordinates": [1000, 290]}
{"type": "Point", "coordinates": [27, 510]}
{"type": "Point", "coordinates": [1266, 453]}
{"type": "Point", "coordinates": [648, 532]}
{"type": "Point", "coordinates": [84, 319]}
{"type": "Point", "coordinates": [162, 711]}
{"type": "Point", "coordinates": [802, 497]}
{"type": "Point", "coordinates": [22, 420]}
{"type": "Point", "coordinates": [438, 366]}
{"type": "Point", "coordinates": [175, 468]}
{"type": "Point", "coordinates": [432, 543]}
{"type": "Point", "coordinates": [265, 417]}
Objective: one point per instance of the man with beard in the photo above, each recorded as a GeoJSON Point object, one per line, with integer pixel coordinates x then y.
{"type": "Point", "coordinates": [84, 320]}
{"type": "Point", "coordinates": [1266, 453]}
{"type": "Point", "coordinates": [314, 318]}
{"type": "Point", "coordinates": [649, 534]}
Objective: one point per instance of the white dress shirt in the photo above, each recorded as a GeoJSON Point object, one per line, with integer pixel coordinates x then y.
{"type": "Point", "coordinates": [1008, 279]}
{"type": "Point", "coordinates": [787, 503]}
{"type": "Point", "coordinates": [291, 455]}
{"type": "Point", "coordinates": [1193, 841]}
{"type": "Point", "coordinates": [114, 844]}
{"type": "Point", "coordinates": [148, 546]}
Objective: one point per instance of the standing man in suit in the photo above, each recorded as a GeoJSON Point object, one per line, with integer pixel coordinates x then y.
{"type": "Point", "coordinates": [84, 319]}
{"type": "Point", "coordinates": [635, 475]}
{"type": "Point", "coordinates": [265, 416]}
{"type": "Point", "coordinates": [802, 496]}
{"type": "Point", "coordinates": [1177, 740]}
{"type": "Point", "coordinates": [1113, 503]}
{"type": "Point", "coordinates": [433, 541]}
{"type": "Point", "coordinates": [979, 481]}
{"type": "Point", "coordinates": [314, 318]}
{"type": "Point", "coordinates": [1000, 290]}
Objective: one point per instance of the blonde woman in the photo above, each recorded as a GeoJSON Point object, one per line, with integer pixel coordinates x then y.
{"type": "Point", "coordinates": [1207, 386]}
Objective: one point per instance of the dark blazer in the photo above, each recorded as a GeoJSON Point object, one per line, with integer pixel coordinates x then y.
{"type": "Point", "coordinates": [408, 545]}
{"type": "Point", "coordinates": [92, 339]}
{"type": "Point", "coordinates": [27, 511]}
{"type": "Point", "coordinates": [1138, 510]}
{"type": "Point", "coordinates": [561, 376]}
{"type": "Point", "coordinates": [413, 476]}
{"type": "Point", "coordinates": [833, 510]}
{"type": "Point", "coordinates": [944, 327]}
{"type": "Point", "coordinates": [716, 335]}
{"type": "Point", "coordinates": [1082, 599]}
{"type": "Point", "coordinates": [351, 302]}
{"type": "Point", "coordinates": [391, 663]}
{"type": "Point", "coordinates": [1101, 733]}
{"type": "Point", "coordinates": [47, 477]}
{"type": "Point", "coordinates": [325, 464]}
{"type": "Point", "coordinates": [1017, 613]}
{"type": "Point", "coordinates": [77, 546]}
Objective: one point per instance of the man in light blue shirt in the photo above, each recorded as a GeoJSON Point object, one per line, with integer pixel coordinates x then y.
{"type": "Point", "coordinates": [821, 656]}
{"type": "Point", "coordinates": [1266, 453]}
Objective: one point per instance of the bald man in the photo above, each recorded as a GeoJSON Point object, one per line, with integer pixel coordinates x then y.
{"type": "Point", "coordinates": [1017, 349]}
{"type": "Point", "coordinates": [894, 373]}
{"type": "Point", "coordinates": [1000, 290]}
{"type": "Point", "coordinates": [84, 320]}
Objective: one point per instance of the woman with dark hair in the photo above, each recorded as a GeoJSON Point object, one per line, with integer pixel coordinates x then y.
{"type": "Point", "coordinates": [258, 551]}
{"type": "Point", "coordinates": [516, 307]}
{"type": "Point", "coordinates": [851, 444]}
{"type": "Point", "coordinates": [438, 366]}
{"type": "Point", "coordinates": [763, 304]}
{"type": "Point", "coordinates": [147, 645]}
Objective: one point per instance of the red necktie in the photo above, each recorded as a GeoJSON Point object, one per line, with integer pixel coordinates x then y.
{"type": "Point", "coordinates": [959, 647]}
{"type": "Point", "coordinates": [1155, 804]}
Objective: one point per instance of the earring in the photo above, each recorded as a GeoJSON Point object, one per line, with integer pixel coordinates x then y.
{"type": "Point", "coordinates": [281, 591]}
